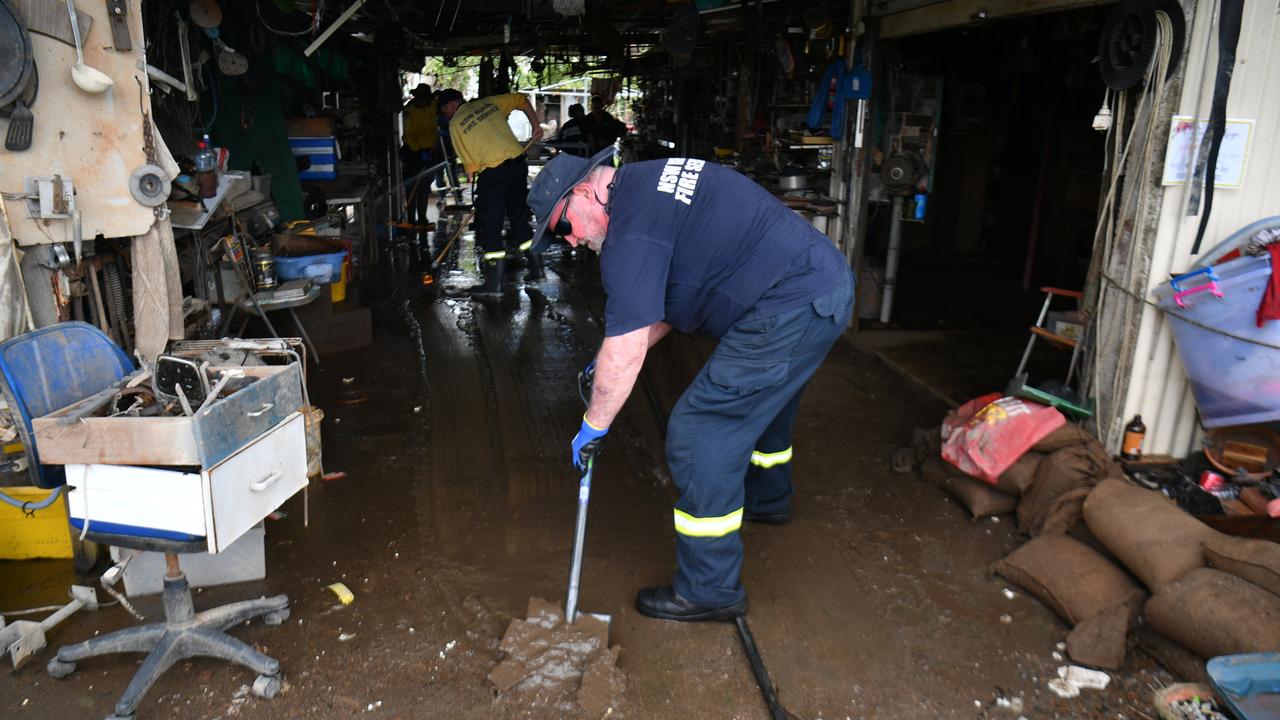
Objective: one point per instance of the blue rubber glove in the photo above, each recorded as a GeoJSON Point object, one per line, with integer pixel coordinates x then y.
{"type": "Point", "coordinates": [587, 444]}
{"type": "Point", "coordinates": [586, 378]}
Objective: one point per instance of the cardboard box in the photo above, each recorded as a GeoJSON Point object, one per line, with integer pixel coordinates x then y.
{"type": "Point", "coordinates": [242, 561]}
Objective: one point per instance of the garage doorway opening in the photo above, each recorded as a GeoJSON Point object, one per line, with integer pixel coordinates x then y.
{"type": "Point", "coordinates": [1001, 116]}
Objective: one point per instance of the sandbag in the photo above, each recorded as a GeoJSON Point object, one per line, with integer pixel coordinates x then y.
{"type": "Point", "coordinates": [1179, 661]}
{"type": "Point", "coordinates": [1214, 613]}
{"type": "Point", "coordinates": [979, 498]}
{"type": "Point", "coordinates": [1100, 640]}
{"type": "Point", "coordinates": [1067, 435]}
{"type": "Point", "coordinates": [1155, 539]}
{"type": "Point", "coordinates": [1257, 561]}
{"type": "Point", "coordinates": [1020, 474]}
{"type": "Point", "coordinates": [935, 471]}
{"type": "Point", "coordinates": [927, 442]}
{"type": "Point", "coordinates": [998, 435]}
{"type": "Point", "coordinates": [1065, 513]}
{"type": "Point", "coordinates": [1065, 574]}
{"type": "Point", "coordinates": [1060, 472]}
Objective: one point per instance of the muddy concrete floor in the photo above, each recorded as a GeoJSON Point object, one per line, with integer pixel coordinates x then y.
{"type": "Point", "coordinates": [458, 506]}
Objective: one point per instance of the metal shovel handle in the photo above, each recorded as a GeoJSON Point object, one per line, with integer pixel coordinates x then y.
{"type": "Point", "coordinates": [579, 539]}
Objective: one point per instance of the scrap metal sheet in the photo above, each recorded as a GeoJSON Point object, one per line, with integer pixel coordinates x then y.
{"type": "Point", "coordinates": [96, 140]}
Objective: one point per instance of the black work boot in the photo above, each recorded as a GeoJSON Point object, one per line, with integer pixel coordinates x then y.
{"type": "Point", "coordinates": [777, 518]}
{"type": "Point", "coordinates": [662, 602]}
{"type": "Point", "coordinates": [492, 285]}
{"type": "Point", "coordinates": [535, 271]}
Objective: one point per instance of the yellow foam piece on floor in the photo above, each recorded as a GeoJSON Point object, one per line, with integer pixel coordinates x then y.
{"type": "Point", "coordinates": [345, 596]}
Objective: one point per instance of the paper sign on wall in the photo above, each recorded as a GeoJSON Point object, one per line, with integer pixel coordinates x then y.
{"type": "Point", "coordinates": [1185, 134]}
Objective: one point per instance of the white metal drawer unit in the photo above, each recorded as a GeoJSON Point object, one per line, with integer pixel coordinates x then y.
{"type": "Point", "coordinates": [218, 504]}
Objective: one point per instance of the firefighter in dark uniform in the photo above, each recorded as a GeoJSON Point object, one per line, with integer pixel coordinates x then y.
{"type": "Point", "coordinates": [694, 246]}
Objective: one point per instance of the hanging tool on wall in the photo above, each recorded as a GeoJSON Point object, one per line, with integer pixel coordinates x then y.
{"type": "Point", "coordinates": [837, 87]}
{"type": "Point", "coordinates": [118, 16]}
{"type": "Point", "coordinates": [18, 79]}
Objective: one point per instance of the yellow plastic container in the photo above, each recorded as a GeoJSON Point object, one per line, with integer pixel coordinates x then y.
{"type": "Point", "coordinates": [46, 534]}
{"type": "Point", "coordinates": [338, 288]}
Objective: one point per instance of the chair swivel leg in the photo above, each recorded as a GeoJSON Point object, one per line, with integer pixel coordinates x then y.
{"type": "Point", "coordinates": [215, 644]}
{"type": "Point", "coordinates": [273, 610]}
{"type": "Point", "coordinates": [162, 657]}
{"type": "Point", "coordinates": [134, 639]}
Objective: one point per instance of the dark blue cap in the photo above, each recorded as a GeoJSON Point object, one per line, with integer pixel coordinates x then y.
{"type": "Point", "coordinates": [554, 181]}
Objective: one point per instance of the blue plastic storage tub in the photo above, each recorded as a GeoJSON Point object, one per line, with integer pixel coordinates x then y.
{"type": "Point", "coordinates": [321, 154]}
{"type": "Point", "coordinates": [1235, 376]}
{"type": "Point", "coordinates": [1248, 684]}
{"type": "Point", "coordinates": [322, 268]}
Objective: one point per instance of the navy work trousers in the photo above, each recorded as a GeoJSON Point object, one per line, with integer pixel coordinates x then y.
{"type": "Point", "coordinates": [729, 438]}
{"type": "Point", "coordinates": [502, 193]}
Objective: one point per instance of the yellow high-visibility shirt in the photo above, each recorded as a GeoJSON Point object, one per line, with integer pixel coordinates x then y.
{"type": "Point", "coordinates": [420, 126]}
{"type": "Point", "coordinates": [480, 132]}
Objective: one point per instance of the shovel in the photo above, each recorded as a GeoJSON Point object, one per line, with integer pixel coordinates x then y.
{"type": "Point", "coordinates": [24, 638]}
{"type": "Point", "coordinates": [579, 539]}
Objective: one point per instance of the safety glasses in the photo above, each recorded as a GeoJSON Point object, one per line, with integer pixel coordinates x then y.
{"type": "Point", "coordinates": [561, 227]}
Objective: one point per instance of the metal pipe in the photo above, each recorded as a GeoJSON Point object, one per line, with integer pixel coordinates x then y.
{"type": "Point", "coordinates": [345, 16]}
{"type": "Point", "coordinates": [891, 260]}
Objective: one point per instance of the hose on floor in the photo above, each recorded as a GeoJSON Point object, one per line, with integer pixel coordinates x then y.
{"type": "Point", "coordinates": [29, 507]}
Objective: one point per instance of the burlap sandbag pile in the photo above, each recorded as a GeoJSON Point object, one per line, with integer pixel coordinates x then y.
{"type": "Point", "coordinates": [1046, 485]}
{"type": "Point", "coordinates": [1213, 594]}
{"type": "Point", "coordinates": [1208, 593]}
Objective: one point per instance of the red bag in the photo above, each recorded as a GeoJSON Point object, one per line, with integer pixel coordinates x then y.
{"type": "Point", "coordinates": [997, 435]}
{"type": "Point", "coordinates": [963, 414]}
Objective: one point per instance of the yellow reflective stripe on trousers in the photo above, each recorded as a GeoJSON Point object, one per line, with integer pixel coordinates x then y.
{"type": "Point", "coordinates": [524, 246]}
{"type": "Point", "coordinates": [496, 255]}
{"type": "Point", "coordinates": [691, 526]}
{"type": "Point", "coordinates": [768, 460]}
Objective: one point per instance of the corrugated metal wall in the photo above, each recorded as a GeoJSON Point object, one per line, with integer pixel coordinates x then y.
{"type": "Point", "coordinates": [1158, 388]}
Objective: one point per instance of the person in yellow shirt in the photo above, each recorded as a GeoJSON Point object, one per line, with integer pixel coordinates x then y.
{"type": "Point", "coordinates": [489, 151]}
{"type": "Point", "coordinates": [420, 139]}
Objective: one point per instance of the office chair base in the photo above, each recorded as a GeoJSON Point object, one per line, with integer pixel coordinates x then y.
{"type": "Point", "coordinates": [182, 635]}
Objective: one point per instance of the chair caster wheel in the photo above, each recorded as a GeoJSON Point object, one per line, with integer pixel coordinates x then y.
{"type": "Point", "coordinates": [58, 669]}
{"type": "Point", "coordinates": [266, 686]}
{"type": "Point", "coordinates": [277, 617]}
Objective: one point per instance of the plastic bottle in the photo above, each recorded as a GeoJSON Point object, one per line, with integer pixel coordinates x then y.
{"type": "Point", "coordinates": [206, 169]}
{"type": "Point", "coordinates": [1131, 445]}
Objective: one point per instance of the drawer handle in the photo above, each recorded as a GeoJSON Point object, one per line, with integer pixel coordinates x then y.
{"type": "Point", "coordinates": [266, 482]}
{"type": "Point", "coordinates": [265, 407]}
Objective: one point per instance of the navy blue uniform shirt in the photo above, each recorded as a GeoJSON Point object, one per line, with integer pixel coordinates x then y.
{"type": "Point", "coordinates": [702, 247]}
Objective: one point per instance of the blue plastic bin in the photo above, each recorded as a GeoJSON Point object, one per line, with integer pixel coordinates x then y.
{"type": "Point", "coordinates": [1235, 378]}
{"type": "Point", "coordinates": [1248, 684]}
{"type": "Point", "coordinates": [321, 154]}
{"type": "Point", "coordinates": [321, 269]}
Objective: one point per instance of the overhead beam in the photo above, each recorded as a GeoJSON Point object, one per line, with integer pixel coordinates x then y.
{"type": "Point", "coordinates": [967, 13]}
